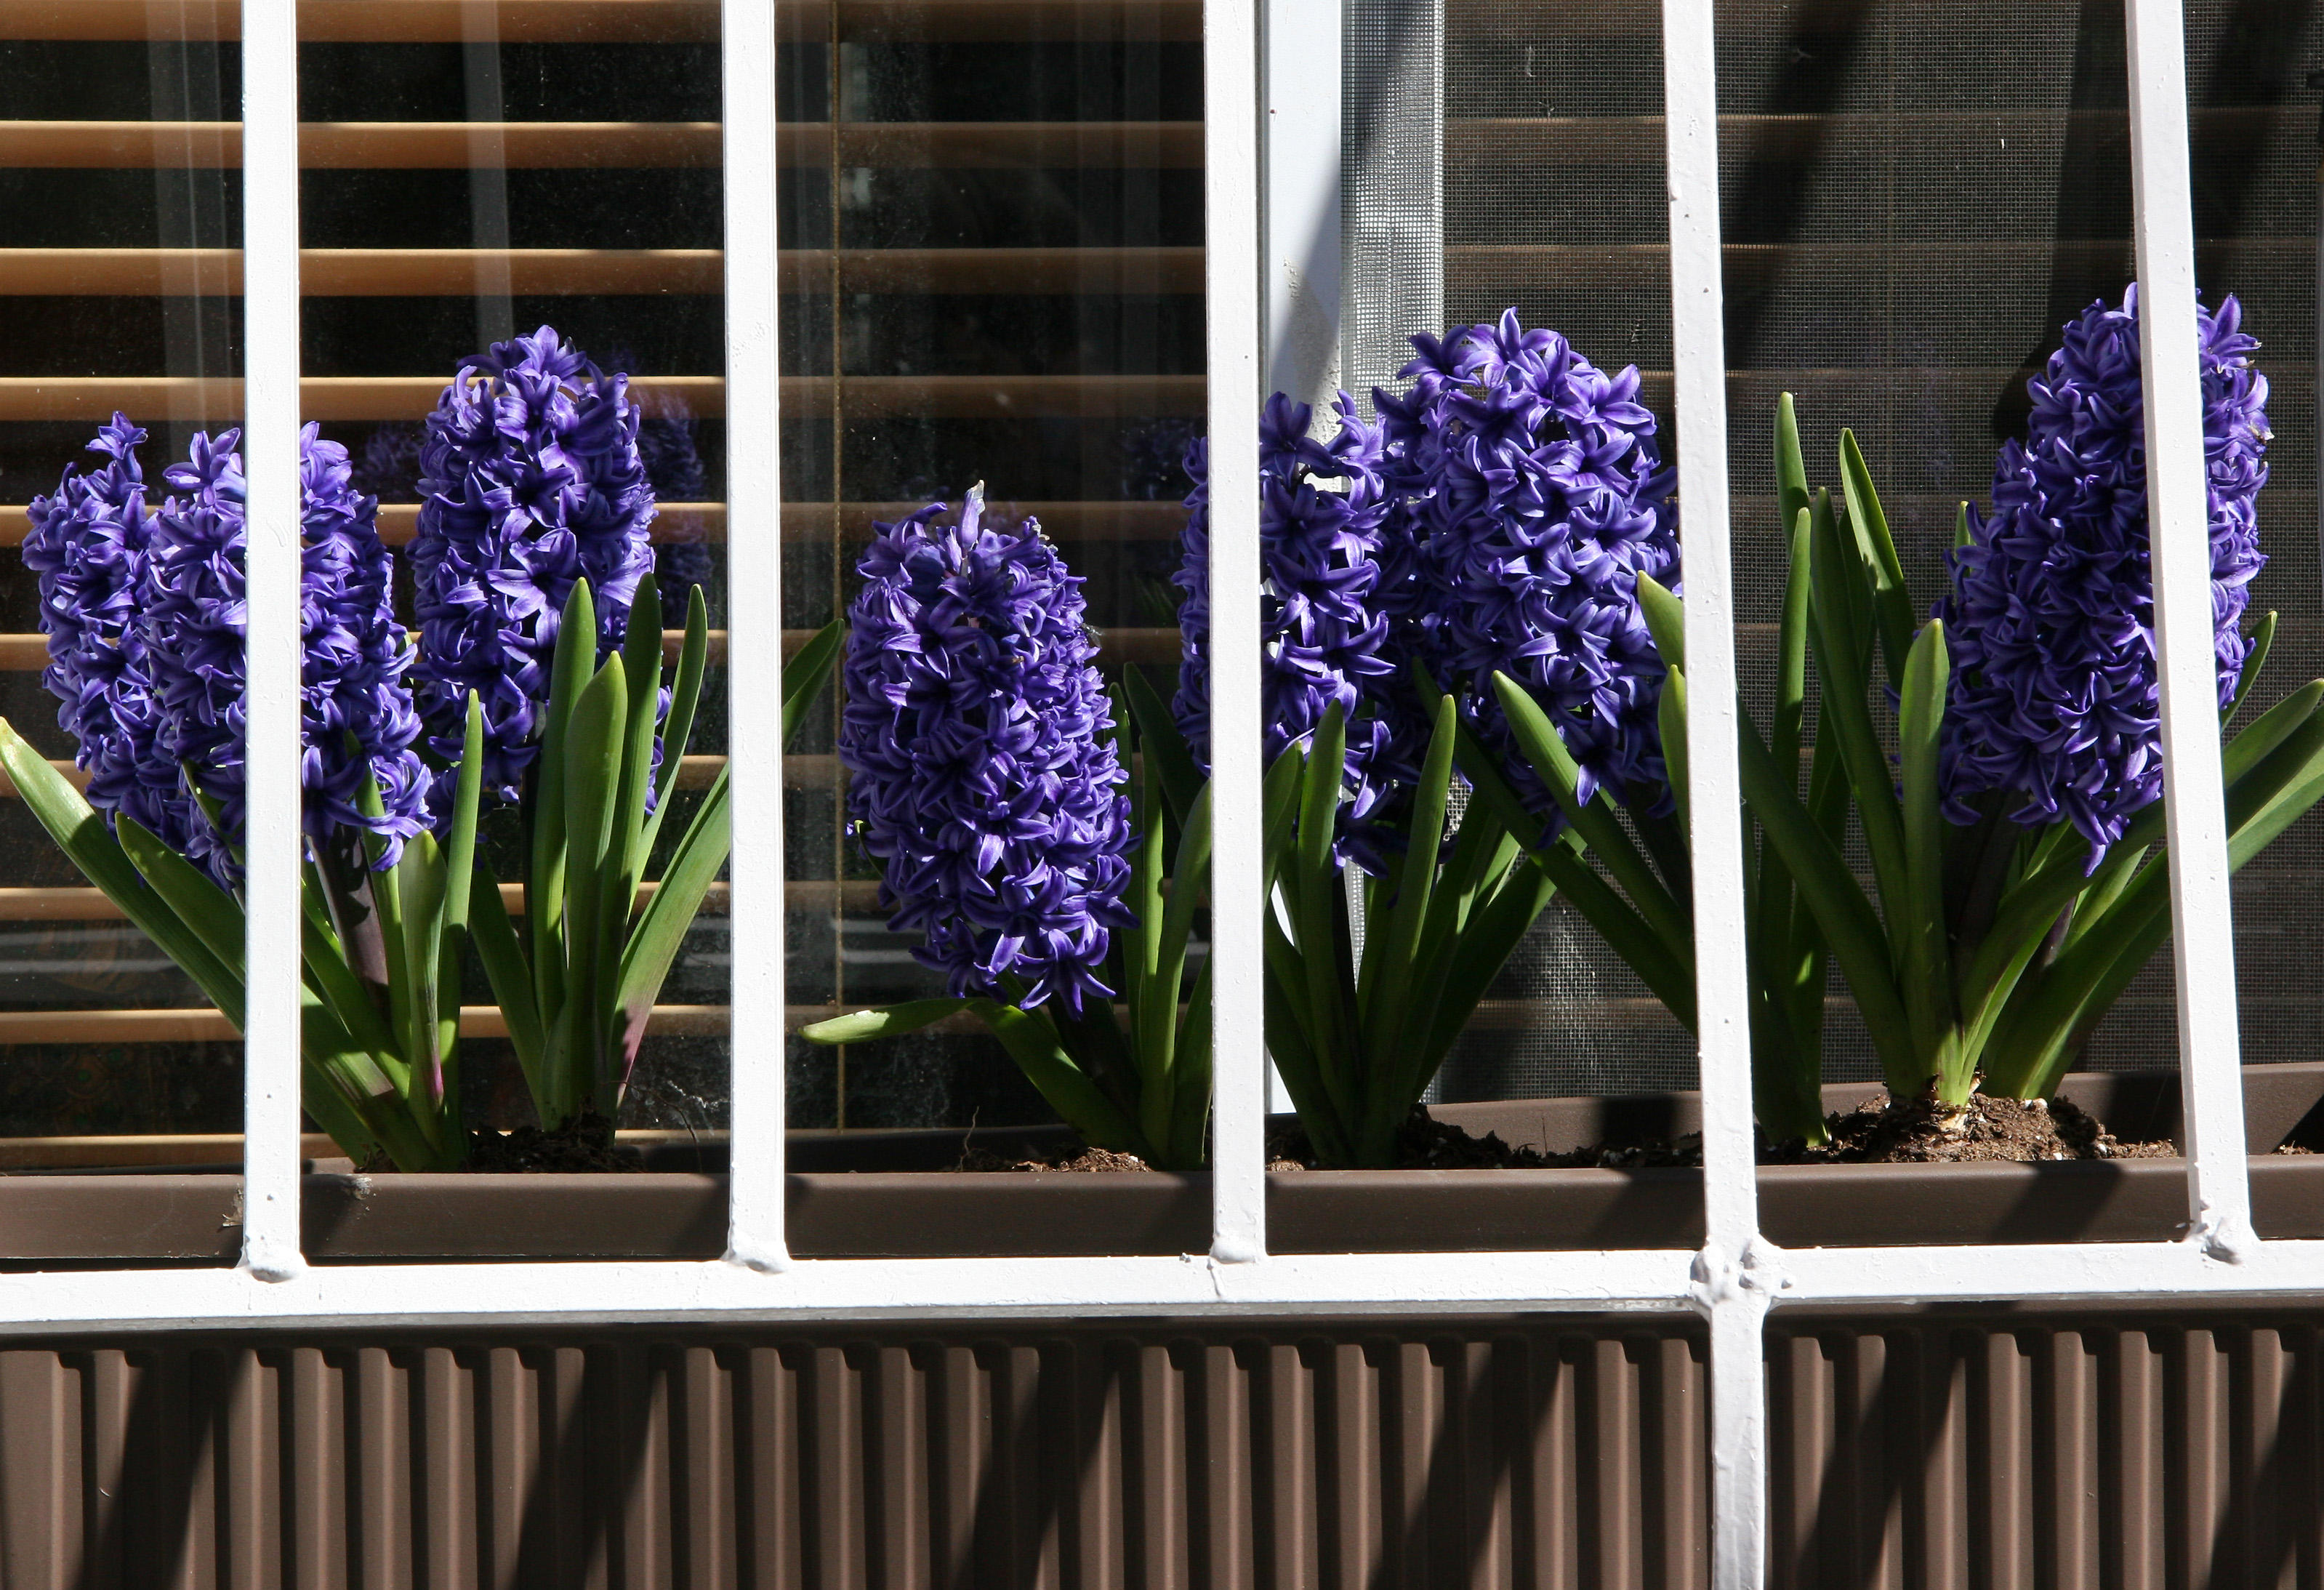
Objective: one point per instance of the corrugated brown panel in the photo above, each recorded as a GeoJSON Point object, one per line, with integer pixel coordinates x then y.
{"type": "Point", "coordinates": [2148, 1454]}
{"type": "Point", "coordinates": [1386, 1457]}
{"type": "Point", "coordinates": [2147, 1451]}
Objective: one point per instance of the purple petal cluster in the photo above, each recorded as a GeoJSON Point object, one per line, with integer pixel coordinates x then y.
{"type": "Point", "coordinates": [530, 479]}
{"type": "Point", "coordinates": [1530, 496]}
{"type": "Point", "coordinates": [196, 620]}
{"type": "Point", "coordinates": [357, 720]}
{"type": "Point", "coordinates": [1497, 519]}
{"type": "Point", "coordinates": [983, 774]}
{"type": "Point", "coordinates": [87, 544]}
{"type": "Point", "coordinates": [1324, 638]}
{"type": "Point", "coordinates": [1189, 704]}
{"type": "Point", "coordinates": [358, 717]}
{"type": "Point", "coordinates": [2054, 698]}
{"type": "Point", "coordinates": [146, 620]}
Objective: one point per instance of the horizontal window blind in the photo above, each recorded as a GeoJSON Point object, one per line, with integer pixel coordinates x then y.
{"type": "Point", "coordinates": [992, 269]}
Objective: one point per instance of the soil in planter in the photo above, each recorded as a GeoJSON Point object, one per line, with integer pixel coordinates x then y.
{"type": "Point", "coordinates": [1427, 1143]}
{"type": "Point", "coordinates": [1088, 1161]}
{"type": "Point", "coordinates": [1918, 1130]}
{"type": "Point", "coordinates": [1915, 1131]}
{"type": "Point", "coordinates": [586, 1144]}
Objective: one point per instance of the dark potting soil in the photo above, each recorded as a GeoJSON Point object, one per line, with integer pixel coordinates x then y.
{"type": "Point", "coordinates": [586, 1144]}
{"type": "Point", "coordinates": [1914, 1131]}
{"type": "Point", "coordinates": [1088, 1161]}
{"type": "Point", "coordinates": [1879, 1132]}
{"type": "Point", "coordinates": [1920, 1131]}
{"type": "Point", "coordinates": [1425, 1144]}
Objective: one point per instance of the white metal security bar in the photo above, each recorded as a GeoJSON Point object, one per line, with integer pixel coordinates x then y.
{"type": "Point", "coordinates": [754, 640]}
{"type": "Point", "coordinates": [1737, 1275]}
{"type": "Point", "coordinates": [1736, 1268]}
{"type": "Point", "coordinates": [1234, 344]}
{"type": "Point", "coordinates": [270, 444]}
{"type": "Point", "coordinates": [2202, 923]}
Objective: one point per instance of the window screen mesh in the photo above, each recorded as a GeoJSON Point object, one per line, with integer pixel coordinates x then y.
{"type": "Point", "coordinates": [1915, 197]}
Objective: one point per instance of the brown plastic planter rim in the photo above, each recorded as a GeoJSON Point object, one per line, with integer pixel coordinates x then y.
{"type": "Point", "coordinates": [888, 1195]}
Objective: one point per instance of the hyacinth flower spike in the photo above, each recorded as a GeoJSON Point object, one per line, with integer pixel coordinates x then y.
{"type": "Point", "coordinates": [158, 715]}
{"type": "Point", "coordinates": [987, 771]}
{"type": "Point", "coordinates": [1523, 510]}
{"type": "Point", "coordinates": [532, 575]}
{"type": "Point", "coordinates": [2013, 899]}
{"type": "Point", "coordinates": [1492, 534]}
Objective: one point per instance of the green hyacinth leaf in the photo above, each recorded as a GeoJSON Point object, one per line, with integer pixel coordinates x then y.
{"type": "Point", "coordinates": [891, 1021]}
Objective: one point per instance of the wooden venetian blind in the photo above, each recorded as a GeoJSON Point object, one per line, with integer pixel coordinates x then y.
{"type": "Point", "coordinates": [1088, 241]}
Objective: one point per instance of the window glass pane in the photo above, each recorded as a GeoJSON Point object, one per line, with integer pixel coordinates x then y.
{"type": "Point", "coordinates": [996, 226]}
{"type": "Point", "coordinates": [121, 197]}
{"type": "Point", "coordinates": [1915, 202]}
{"type": "Point", "coordinates": [545, 184]}
{"type": "Point", "coordinates": [1531, 91]}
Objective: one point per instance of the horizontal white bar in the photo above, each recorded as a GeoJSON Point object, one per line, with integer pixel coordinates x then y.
{"type": "Point", "coordinates": [1647, 1280]}
{"type": "Point", "coordinates": [856, 1288]}
{"type": "Point", "coordinates": [2062, 1272]}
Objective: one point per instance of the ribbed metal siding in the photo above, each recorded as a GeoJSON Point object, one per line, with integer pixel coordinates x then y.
{"type": "Point", "coordinates": [2151, 1454]}
{"type": "Point", "coordinates": [2145, 1452]}
{"type": "Point", "coordinates": [1369, 1457]}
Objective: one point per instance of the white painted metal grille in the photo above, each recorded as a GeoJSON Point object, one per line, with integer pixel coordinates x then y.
{"type": "Point", "coordinates": [1735, 1278]}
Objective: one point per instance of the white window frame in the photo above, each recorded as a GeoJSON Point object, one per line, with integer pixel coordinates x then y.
{"type": "Point", "coordinates": [1733, 1279]}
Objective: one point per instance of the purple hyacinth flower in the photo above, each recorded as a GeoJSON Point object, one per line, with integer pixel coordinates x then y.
{"type": "Point", "coordinates": [356, 658]}
{"type": "Point", "coordinates": [529, 479]}
{"type": "Point", "coordinates": [196, 621]}
{"type": "Point", "coordinates": [87, 544]}
{"type": "Point", "coordinates": [1324, 637]}
{"type": "Point", "coordinates": [982, 772]}
{"type": "Point", "coordinates": [2054, 701]}
{"type": "Point", "coordinates": [357, 717]}
{"type": "Point", "coordinates": [1529, 497]}
{"type": "Point", "coordinates": [1189, 704]}
{"type": "Point", "coordinates": [1497, 519]}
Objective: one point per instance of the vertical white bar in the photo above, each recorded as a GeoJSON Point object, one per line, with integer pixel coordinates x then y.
{"type": "Point", "coordinates": [755, 639]}
{"type": "Point", "coordinates": [1738, 1441]}
{"type": "Point", "coordinates": [269, 451]}
{"type": "Point", "coordinates": [2202, 918]}
{"type": "Point", "coordinates": [1722, 982]}
{"type": "Point", "coordinates": [1734, 1269]}
{"type": "Point", "coordinates": [1233, 344]}
{"type": "Point", "coordinates": [1302, 218]}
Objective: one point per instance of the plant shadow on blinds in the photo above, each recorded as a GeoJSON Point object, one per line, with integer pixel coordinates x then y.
{"type": "Point", "coordinates": [1916, 198]}
{"type": "Point", "coordinates": [116, 203]}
